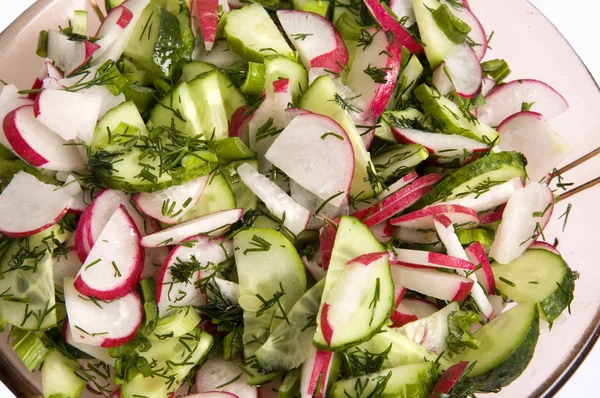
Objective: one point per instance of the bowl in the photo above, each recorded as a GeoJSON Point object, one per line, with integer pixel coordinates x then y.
{"type": "Point", "coordinates": [534, 49]}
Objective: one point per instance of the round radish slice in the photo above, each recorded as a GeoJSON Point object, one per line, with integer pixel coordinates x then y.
{"type": "Point", "coordinates": [492, 198]}
{"type": "Point", "coordinates": [411, 309]}
{"type": "Point", "coordinates": [82, 246]}
{"type": "Point", "coordinates": [37, 144]}
{"type": "Point", "coordinates": [100, 323]}
{"type": "Point", "coordinates": [389, 23]}
{"type": "Point", "coordinates": [218, 372]}
{"type": "Point", "coordinates": [28, 206]}
{"type": "Point", "coordinates": [403, 10]}
{"type": "Point", "coordinates": [10, 99]}
{"type": "Point", "coordinates": [238, 126]}
{"type": "Point", "coordinates": [213, 224]}
{"type": "Point", "coordinates": [115, 263]}
{"type": "Point", "coordinates": [477, 34]}
{"type": "Point", "coordinates": [484, 273]}
{"type": "Point", "coordinates": [423, 218]}
{"type": "Point", "coordinates": [176, 291]}
{"type": "Point", "coordinates": [446, 145]}
{"type": "Point", "coordinates": [69, 55]}
{"type": "Point", "coordinates": [433, 283]}
{"type": "Point", "coordinates": [544, 246]}
{"type": "Point", "coordinates": [65, 266]}
{"type": "Point", "coordinates": [117, 19]}
{"type": "Point", "coordinates": [430, 259]}
{"type": "Point", "coordinates": [464, 70]}
{"type": "Point", "coordinates": [401, 183]}
{"type": "Point", "coordinates": [170, 204]}
{"type": "Point", "coordinates": [508, 99]}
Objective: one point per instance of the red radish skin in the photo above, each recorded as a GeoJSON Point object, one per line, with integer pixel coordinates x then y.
{"type": "Point", "coordinates": [408, 257]}
{"type": "Point", "coordinates": [319, 375]}
{"type": "Point", "coordinates": [81, 240]}
{"type": "Point", "coordinates": [494, 216]}
{"type": "Point", "coordinates": [48, 70]}
{"type": "Point", "coordinates": [207, 12]}
{"type": "Point", "coordinates": [485, 275]}
{"type": "Point", "coordinates": [434, 283]}
{"type": "Point", "coordinates": [119, 16]}
{"type": "Point", "coordinates": [389, 23]}
{"type": "Point", "coordinates": [423, 218]}
{"type": "Point", "coordinates": [238, 126]}
{"type": "Point", "coordinates": [544, 246]}
{"type": "Point", "coordinates": [325, 325]}
{"type": "Point", "coordinates": [326, 241]}
{"type": "Point", "coordinates": [449, 379]}
{"type": "Point", "coordinates": [401, 183]}
{"type": "Point", "coordinates": [281, 85]}
{"type": "Point", "coordinates": [412, 309]}
{"type": "Point", "coordinates": [366, 259]}
{"type": "Point", "coordinates": [314, 269]}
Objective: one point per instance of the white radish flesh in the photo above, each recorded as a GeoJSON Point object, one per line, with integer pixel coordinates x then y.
{"type": "Point", "coordinates": [423, 218]}
{"type": "Point", "coordinates": [315, 373]}
{"type": "Point", "coordinates": [446, 145]}
{"type": "Point", "coordinates": [430, 259]}
{"type": "Point", "coordinates": [218, 372]}
{"type": "Point", "coordinates": [10, 100]}
{"type": "Point", "coordinates": [462, 65]}
{"type": "Point", "coordinates": [492, 198]}
{"type": "Point", "coordinates": [438, 284]}
{"type": "Point", "coordinates": [69, 55]}
{"type": "Point", "coordinates": [484, 273]}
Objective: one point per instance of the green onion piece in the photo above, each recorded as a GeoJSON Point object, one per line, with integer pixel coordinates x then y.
{"type": "Point", "coordinates": [112, 77]}
{"type": "Point", "coordinates": [162, 86]}
{"type": "Point", "coordinates": [231, 149]}
{"type": "Point", "coordinates": [317, 6]}
{"type": "Point", "coordinates": [42, 45]}
{"type": "Point", "coordinates": [31, 347]}
{"type": "Point", "coordinates": [497, 69]}
{"type": "Point", "coordinates": [176, 324]}
{"type": "Point", "coordinates": [80, 22]}
{"type": "Point", "coordinates": [255, 79]}
{"type": "Point", "coordinates": [454, 28]}
{"type": "Point", "coordinates": [348, 27]}
{"type": "Point", "coordinates": [148, 289]}
{"type": "Point", "coordinates": [290, 386]}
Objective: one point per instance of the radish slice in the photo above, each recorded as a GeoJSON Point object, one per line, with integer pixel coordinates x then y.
{"type": "Point", "coordinates": [544, 246]}
{"type": "Point", "coordinates": [389, 23]}
{"type": "Point", "coordinates": [65, 266]}
{"type": "Point", "coordinates": [492, 198]}
{"type": "Point", "coordinates": [317, 40]}
{"type": "Point", "coordinates": [9, 100]}
{"type": "Point", "coordinates": [445, 230]}
{"type": "Point", "coordinates": [116, 21]}
{"type": "Point", "coordinates": [100, 353]}
{"type": "Point", "coordinates": [69, 55]}
{"type": "Point", "coordinates": [493, 216]}
{"type": "Point", "coordinates": [507, 99]}
{"type": "Point", "coordinates": [401, 183]}
{"type": "Point", "coordinates": [207, 12]}
{"type": "Point", "coordinates": [529, 134]}
{"type": "Point", "coordinates": [170, 204]}
{"type": "Point", "coordinates": [477, 34]}
{"type": "Point", "coordinates": [525, 217]}
{"type": "Point", "coordinates": [115, 263]}
{"type": "Point", "coordinates": [326, 241]}
{"type": "Point", "coordinates": [423, 218]}
{"type": "Point", "coordinates": [315, 373]}
{"type": "Point", "coordinates": [429, 259]}
{"type": "Point", "coordinates": [175, 292]}
{"type": "Point", "coordinates": [381, 54]}
{"type": "Point", "coordinates": [486, 87]}
{"type": "Point", "coordinates": [404, 11]}
{"type": "Point", "coordinates": [441, 81]}
{"type": "Point", "coordinates": [438, 284]}
{"type": "Point", "coordinates": [323, 150]}
{"type": "Point", "coordinates": [484, 273]}
{"type": "Point", "coordinates": [100, 323]}
{"type": "Point", "coordinates": [38, 145]}
{"type": "Point", "coordinates": [383, 232]}
{"type": "Point", "coordinates": [450, 377]}
{"type": "Point", "coordinates": [238, 126]}
{"type": "Point", "coordinates": [28, 206]}
{"type": "Point", "coordinates": [213, 224]}
{"type": "Point", "coordinates": [48, 71]}
{"type": "Point", "coordinates": [445, 145]}
{"type": "Point", "coordinates": [218, 372]}
{"type": "Point", "coordinates": [412, 309]}
{"type": "Point", "coordinates": [464, 70]}
{"type": "Point", "coordinates": [72, 187]}
{"type": "Point", "coordinates": [312, 203]}
{"type": "Point", "coordinates": [314, 269]}
{"type": "Point", "coordinates": [54, 108]}
{"type": "Point", "coordinates": [415, 236]}
{"type": "Point", "coordinates": [295, 217]}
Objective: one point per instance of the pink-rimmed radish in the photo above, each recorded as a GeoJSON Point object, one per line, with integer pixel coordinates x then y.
{"type": "Point", "coordinates": [410, 257]}
{"type": "Point", "coordinates": [374, 73]}
{"type": "Point", "coordinates": [495, 196]}
{"type": "Point", "coordinates": [449, 378]}
{"type": "Point", "coordinates": [315, 270]}
{"type": "Point", "coordinates": [544, 246]}
{"type": "Point", "coordinates": [411, 309]}
{"type": "Point", "coordinates": [530, 134]}
{"type": "Point", "coordinates": [207, 12]}
{"type": "Point", "coordinates": [10, 99]}
{"type": "Point", "coordinates": [493, 216]}
{"type": "Point", "coordinates": [65, 266]}
{"type": "Point", "coordinates": [409, 235]}
{"type": "Point", "coordinates": [218, 372]}
{"type": "Point", "coordinates": [423, 218]}
{"type": "Point", "coordinates": [54, 108]}
{"type": "Point", "coordinates": [48, 71]}
{"type": "Point", "coordinates": [72, 188]}
{"type": "Point", "coordinates": [404, 11]}
{"type": "Point", "coordinates": [170, 204]}
{"type": "Point", "coordinates": [484, 273]}
{"type": "Point", "coordinates": [67, 54]}
{"type": "Point", "coordinates": [101, 323]}
{"type": "Point", "coordinates": [487, 86]}
{"type": "Point", "coordinates": [383, 232]}
{"type": "Point", "coordinates": [445, 230]}
{"type": "Point", "coordinates": [313, 203]}
{"type": "Point", "coordinates": [464, 70]}
{"type": "Point", "coordinates": [28, 206]}
{"type": "Point", "coordinates": [172, 291]}
{"type": "Point", "coordinates": [441, 81]}
{"type": "Point", "coordinates": [396, 186]}
{"type": "Point", "coordinates": [238, 126]}
{"type": "Point", "coordinates": [477, 34]}
{"type": "Point", "coordinates": [315, 373]}
{"type": "Point", "coordinates": [37, 144]}
{"type": "Point", "coordinates": [497, 303]}
{"type": "Point", "coordinates": [326, 241]}
{"type": "Point", "coordinates": [323, 150]}
{"type": "Point", "coordinates": [444, 145]}
{"type": "Point", "coordinates": [434, 283]}
{"type": "Point", "coordinates": [114, 265]}
{"type": "Point", "coordinates": [82, 246]}
{"type": "Point", "coordinates": [389, 23]}
{"type": "Point", "coordinates": [295, 217]}
{"type": "Point", "coordinates": [525, 217]}
{"type": "Point", "coordinates": [507, 99]}
{"type": "Point", "coordinates": [213, 224]}
{"type": "Point", "coordinates": [117, 20]}
{"type": "Point", "coordinates": [317, 40]}
{"type": "Point", "coordinates": [97, 352]}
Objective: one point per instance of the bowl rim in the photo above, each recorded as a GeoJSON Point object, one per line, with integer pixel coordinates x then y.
{"type": "Point", "coordinates": [18, 384]}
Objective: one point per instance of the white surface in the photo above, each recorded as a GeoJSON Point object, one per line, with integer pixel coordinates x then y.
{"type": "Point", "coordinates": [577, 27]}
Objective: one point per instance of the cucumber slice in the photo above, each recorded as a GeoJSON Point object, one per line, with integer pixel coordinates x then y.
{"type": "Point", "coordinates": [173, 358]}
{"type": "Point", "coordinates": [244, 197]}
{"type": "Point", "coordinates": [354, 239]}
{"type": "Point", "coordinates": [398, 161]}
{"type": "Point", "coordinates": [506, 346]}
{"type": "Point", "coordinates": [290, 387]}
{"type": "Point", "coordinates": [485, 236]}
{"type": "Point", "coordinates": [232, 98]}
{"type": "Point", "coordinates": [255, 79]}
{"type": "Point", "coordinates": [408, 381]}
{"type": "Point", "coordinates": [151, 43]}
{"type": "Point", "coordinates": [110, 4]}
{"type": "Point", "coordinates": [176, 324]}
{"type": "Point", "coordinates": [142, 97]}
{"type": "Point", "coordinates": [253, 35]}
{"type": "Point", "coordinates": [437, 44]}
{"type": "Point", "coordinates": [59, 378]}
{"type": "Point", "coordinates": [206, 95]}
{"type": "Point", "coordinates": [538, 276]}
{"type": "Point", "coordinates": [299, 241]}
{"type": "Point", "coordinates": [268, 267]}
{"type": "Point", "coordinates": [177, 109]}
{"type": "Point", "coordinates": [32, 348]}
{"type": "Point", "coordinates": [321, 98]}
{"type": "Point", "coordinates": [453, 119]}
{"type": "Point", "coordinates": [407, 81]}
{"type": "Point", "coordinates": [289, 345]}
{"type": "Point", "coordinates": [479, 176]}
{"type": "Point", "coordinates": [278, 67]}
{"type": "Point", "coordinates": [216, 196]}
{"type": "Point", "coordinates": [407, 117]}
{"type": "Point", "coordinates": [118, 124]}
{"type": "Point", "coordinates": [317, 6]}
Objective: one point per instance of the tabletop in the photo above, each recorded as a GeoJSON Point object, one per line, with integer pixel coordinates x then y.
{"type": "Point", "coordinates": [575, 26]}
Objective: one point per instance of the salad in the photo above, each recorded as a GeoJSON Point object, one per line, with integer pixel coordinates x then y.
{"type": "Point", "coordinates": [278, 199]}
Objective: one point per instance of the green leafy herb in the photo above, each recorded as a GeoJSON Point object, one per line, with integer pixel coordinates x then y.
{"type": "Point", "coordinates": [459, 327]}
{"type": "Point", "coordinates": [378, 75]}
{"type": "Point", "coordinates": [300, 36]}
{"type": "Point", "coordinates": [507, 282]}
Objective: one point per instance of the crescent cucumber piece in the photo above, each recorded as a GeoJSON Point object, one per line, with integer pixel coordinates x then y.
{"type": "Point", "coordinates": [216, 196]}
{"type": "Point", "coordinates": [58, 377]}
{"type": "Point", "coordinates": [278, 66]}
